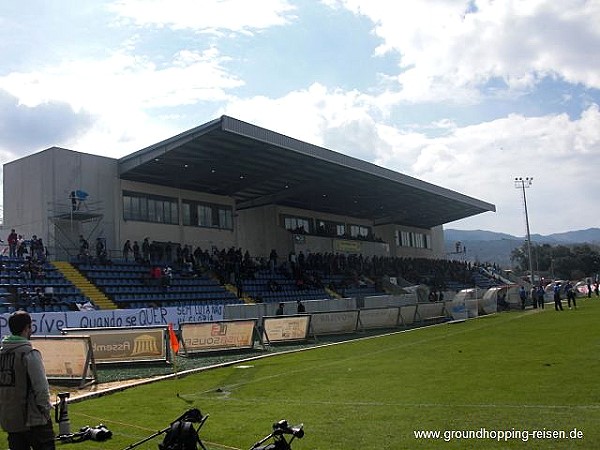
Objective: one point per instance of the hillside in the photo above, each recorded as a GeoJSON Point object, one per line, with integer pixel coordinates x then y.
{"type": "Point", "coordinates": [488, 246]}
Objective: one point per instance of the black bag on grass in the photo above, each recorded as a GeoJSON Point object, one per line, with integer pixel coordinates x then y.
{"type": "Point", "coordinates": [181, 436]}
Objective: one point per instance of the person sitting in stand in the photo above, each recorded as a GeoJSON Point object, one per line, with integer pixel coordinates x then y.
{"type": "Point", "coordinates": [27, 269]}
{"type": "Point", "coordinates": [87, 306]}
{"type": "Point", "coordinates": [167, 277]}
{"type": "Point", "coordinates": [273, 286]}
{"type": "Point", "coordinates": [155, 276]}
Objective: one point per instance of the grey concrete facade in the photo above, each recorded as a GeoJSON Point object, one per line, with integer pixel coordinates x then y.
{"type": "Point", "coordinates": [224, 184]}
{"type": "Point", "coordinates": [37, 202]}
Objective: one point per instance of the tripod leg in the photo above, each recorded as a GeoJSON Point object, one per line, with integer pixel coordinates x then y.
{"type": "Point", "coordinates": [158, 433]}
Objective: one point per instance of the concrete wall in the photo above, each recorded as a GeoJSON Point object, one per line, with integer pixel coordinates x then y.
{"type": "Point", "coordinates": [37, 188]}
{"type": "Point", "coordinates": [259, 232]}
{"type": "Point", "coordinates": [388, 234]}
{"type": "Point", "coordinates": [205, 238]}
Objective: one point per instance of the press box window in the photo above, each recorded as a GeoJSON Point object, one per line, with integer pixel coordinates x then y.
{"type": "Point", "coordinates": [296, 224]}
{"type": "Point", "coordinates": [150, 208]}
{"type": "Point", "coordinates": [207, 215]}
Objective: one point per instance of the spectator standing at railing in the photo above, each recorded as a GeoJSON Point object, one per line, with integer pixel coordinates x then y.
{"type": "Point", "coordinates": [146, 251]}
{"type": "Point", "coordinates": [13, 240]}
{"type": "Point", "coordinates": [273, 261]}
{"type": "Point", "coordinates": [84, 246]}
{"type": "Point", "coordinates": [136, 251]}
{"type": "Point", "coordinates": [33, 247]}
{"type": "Point", "coordinates": [126, 250]}
{"type": "Point", "coordinates": [99, 248]}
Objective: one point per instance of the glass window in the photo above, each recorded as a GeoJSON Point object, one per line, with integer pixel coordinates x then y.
{"type": "Point", "coordinates": [149, 208]}
{"type": "Point", "coordinates": [359, 231]}
{"type": "Point", "coordinates": [174, 212]}
{"type": "Point", "coordinates": [152, 215]}
{"type": "Point", "coordinates": [297, 224]}
{"type": "Point", "coordinates": [186, 212]}
{"type": "Point", "coordinates": [225, 219]}
{"type": "Point", "coordinates": [206, 215]}
{"type": "Point", "coordinates": [410, 239]}
{"type": "Point", "coordinates": [405, 238]}
{"type": "Point", "coordinates": [135, 208]}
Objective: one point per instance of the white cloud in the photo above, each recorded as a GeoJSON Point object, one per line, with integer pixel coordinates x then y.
{"type": "Point", "coordinates": [125, 79]}
{"type": "Point", "coordinates": [209, 16]}
{"type": "Point", "coordinates": [561, 154]}
{"type": "Point", "coordinates": [306, 114]}
{"type": "Point", "coordinates": [121, 89]}
{"type": "Point", "coordinates": [480, 160]}
{"type": "Point", "coordinates": [449, 49]}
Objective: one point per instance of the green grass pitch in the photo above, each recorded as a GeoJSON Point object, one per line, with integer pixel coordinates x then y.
{"type": "Point", "coordinates": [534, 371]}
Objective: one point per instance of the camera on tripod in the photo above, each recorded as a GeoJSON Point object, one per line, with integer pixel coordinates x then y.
{"type": "Point", "coordinates": [280, 429]}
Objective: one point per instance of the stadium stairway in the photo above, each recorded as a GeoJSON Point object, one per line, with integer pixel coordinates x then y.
{"type": "Point", "coordinates": [83, 284]}
{"type": "Point", "coordinates": [231, 288]}
{"type": "Point", "coordinates": [332, 293]}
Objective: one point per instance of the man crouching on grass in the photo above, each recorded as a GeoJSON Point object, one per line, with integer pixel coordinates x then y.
{"type": "Point", "coordinates": [24, 392]}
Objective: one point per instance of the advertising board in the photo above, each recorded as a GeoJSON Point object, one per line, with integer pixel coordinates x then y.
{"type": "Point", "coordinates": [206, 337]}
{"type": "Point", "coordinates": [334, 322]}
{"type": "Point", "coordinates": [379, 318]}
{"type": "Point", "coordinates": [120, 345]}
{"type": "Point", "coordinates": [286, 328]}
{"type": "Point", "coordinates": [66, 357]}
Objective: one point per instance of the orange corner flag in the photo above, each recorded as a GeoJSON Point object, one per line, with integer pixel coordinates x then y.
{"type": "Point", "coordinates": [173, 339]}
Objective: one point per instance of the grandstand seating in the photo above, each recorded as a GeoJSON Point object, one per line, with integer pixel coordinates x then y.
{"type": "Point", "coordinates": [272, 287]}
{"type": "Point", "coordinates": [43, 291]}
{"type": "Point", "coordinates": [129, 285]}
{"type": "Point", "coordinates": [483, 281]}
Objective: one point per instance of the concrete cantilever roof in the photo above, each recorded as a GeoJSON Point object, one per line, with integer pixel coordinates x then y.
{"type": "Point", "coordinates": [259, 167]}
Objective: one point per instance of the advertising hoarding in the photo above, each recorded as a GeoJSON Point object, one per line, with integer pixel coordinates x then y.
{"type": "Point", "coordinates": [334, 322]}
{"type": "Point", "coordinates": [120, 345]}
{"type": "Point", "coordinates": [66, 357]}
{"type": "Point", "coordinates": [379, 318]}
{"type": "Point", "coordinates": [205, 337]}
{"type": "Point", "coordinates": [286, 328]}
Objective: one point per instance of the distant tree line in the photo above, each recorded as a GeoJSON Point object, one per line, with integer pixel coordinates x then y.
{"type": "Point", "coordinates": [559, 261]}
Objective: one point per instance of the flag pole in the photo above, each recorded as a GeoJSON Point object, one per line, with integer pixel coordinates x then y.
{"type": "Point", "coordinates": [174, 341]}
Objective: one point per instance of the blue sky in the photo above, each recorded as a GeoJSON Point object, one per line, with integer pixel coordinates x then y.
{"type": "Point", "coordinates": [467, 95]}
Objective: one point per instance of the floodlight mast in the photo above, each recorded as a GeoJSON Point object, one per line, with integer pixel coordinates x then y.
{"type": "Point", "coordinates": [522, 183]}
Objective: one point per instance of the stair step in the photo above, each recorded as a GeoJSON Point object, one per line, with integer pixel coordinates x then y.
{"type": "Point", "coordinates": [84, 285]}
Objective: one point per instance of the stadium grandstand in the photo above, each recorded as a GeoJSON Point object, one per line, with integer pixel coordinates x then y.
{"type": "Point", "coordinates": [225, 213]}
